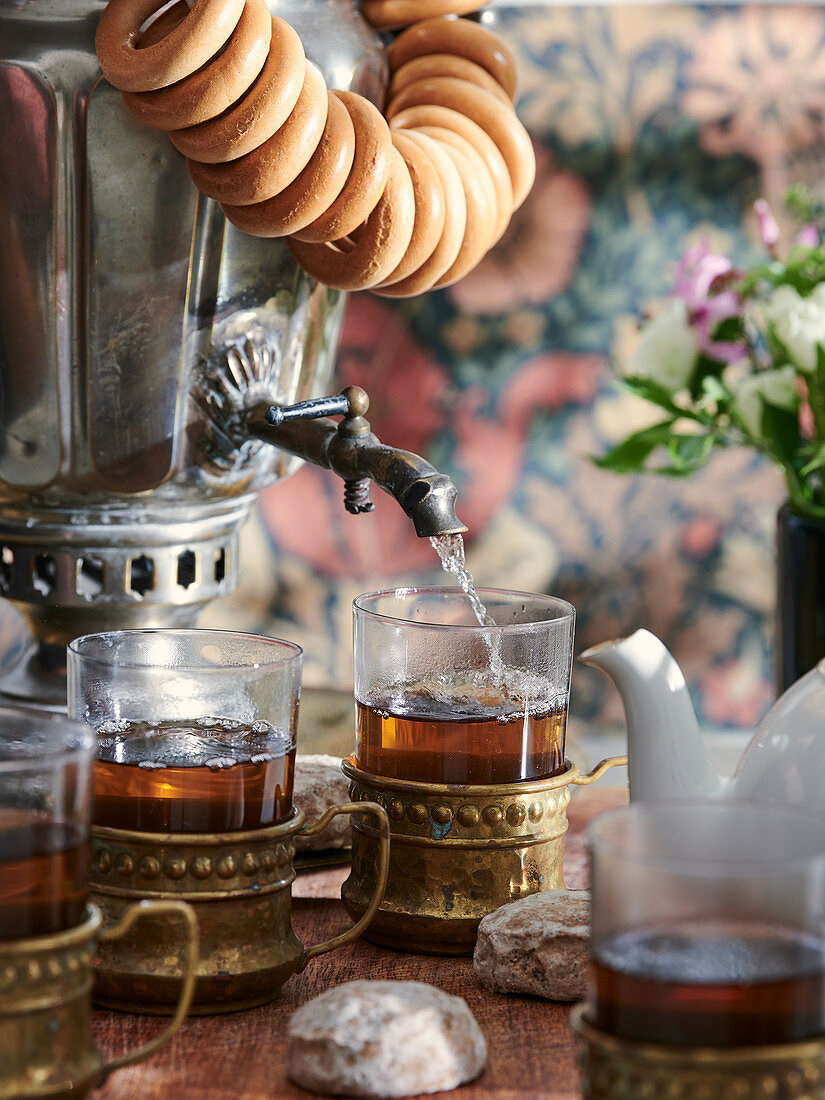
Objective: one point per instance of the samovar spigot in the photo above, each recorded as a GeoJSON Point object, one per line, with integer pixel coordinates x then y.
{"type": "Point", "coordinates": [350, 449]}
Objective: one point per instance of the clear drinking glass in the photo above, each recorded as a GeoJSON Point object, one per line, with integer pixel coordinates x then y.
{"type": "Point", "coordinates": [708, 925]}
{"type": "Point", "coordinates": [441, 699]}
{"type": "Point", "coordinates": [195, 728]}
{"type": "Point", "coordinates": [45, 803]}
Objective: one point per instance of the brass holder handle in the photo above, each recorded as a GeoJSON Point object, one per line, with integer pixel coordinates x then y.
{"type": "Point", "coordinates": [133, 914]}
{"type": "Point", "coordinates": [381, 885]}
{"type": "Point", "coordinates": [599, 770]}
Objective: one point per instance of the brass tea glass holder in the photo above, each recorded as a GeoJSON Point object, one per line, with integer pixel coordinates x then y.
{"type": "Point", "coordinates": [46, 1047]}
{"type": "Point", "coordinates": [457, 853]}
{"type": "Point", "coordinates": [239, 884]}
{"type": "Point", "coordinates": [624, 1069]}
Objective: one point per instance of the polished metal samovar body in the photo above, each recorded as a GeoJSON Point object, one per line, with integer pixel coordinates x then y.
{"type": "Point", "coordinates": [136, 326]}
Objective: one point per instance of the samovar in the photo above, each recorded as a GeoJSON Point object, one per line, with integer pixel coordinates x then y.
{"type": "Point", "coordinates": [143, 343]}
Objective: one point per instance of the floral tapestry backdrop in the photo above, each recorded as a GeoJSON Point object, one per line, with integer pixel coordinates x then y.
{"type": "Point", "coordinates": [656, 128]}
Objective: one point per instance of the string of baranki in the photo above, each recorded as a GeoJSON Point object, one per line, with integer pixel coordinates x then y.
{"type": "Point", "coordinates": [398, 203]}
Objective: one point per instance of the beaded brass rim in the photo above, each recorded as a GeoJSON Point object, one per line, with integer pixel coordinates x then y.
{"type": "Point", "coordinates": [658, 1052]}
{"type": "Point", "coordinates": [624, 1069]}
{"type": "Point", "coordinates": [43, 971]}
{"type": "Point", "coordinates": [500, 790]}
{"type": "Point", "coordinates": [511, 814]}
{"type": "Point", "coordinates": [195, 866]}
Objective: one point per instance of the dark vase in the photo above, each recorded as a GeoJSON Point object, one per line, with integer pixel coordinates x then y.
{"type": "Point", "coordinates": [800, 595]}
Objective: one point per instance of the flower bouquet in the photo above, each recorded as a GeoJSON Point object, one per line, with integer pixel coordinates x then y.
{"type": "Point", "coordinates": [736, 357]}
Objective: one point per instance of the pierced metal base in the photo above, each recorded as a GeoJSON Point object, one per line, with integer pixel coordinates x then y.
{"type": "Point", "coordinates": [620, 1069]}
{"type": "Point", "coordinates": [112, 572]}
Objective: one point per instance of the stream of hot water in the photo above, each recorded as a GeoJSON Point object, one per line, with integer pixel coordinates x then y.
{"type": "Point", "coordinates": [450, 550]}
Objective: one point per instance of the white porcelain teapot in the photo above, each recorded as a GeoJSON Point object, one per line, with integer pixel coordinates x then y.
{"type": "Point", "coordinates": [667, 758]}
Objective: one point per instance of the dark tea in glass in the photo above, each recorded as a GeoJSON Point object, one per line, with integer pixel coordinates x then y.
{"type": "Point", "coordinates": [710, 984]}
{"type": "Point", "coordinates": [43, 875]}
{"type": "Point", "coordinates": [207, 775]}
{"type": "Point", "coordinates": [195, 728]}
{"type": "Point", "coordinates": [453, 689]}
{"type": "Point", "coordinates": [707, 923]}
{"type": "Point", "coordinates": [45, 804]}
{"type": "Point", "coordinates": [494, 739]}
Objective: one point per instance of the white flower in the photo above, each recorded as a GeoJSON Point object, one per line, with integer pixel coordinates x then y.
{"type": "Point", "coordinates": [799, 323]}
{"type": "Point", "coordinates": [768, 387]}
{"type": "Point", "coordinates": [667, 351]}
{"type": "Point", "coordinates": [667, 348]}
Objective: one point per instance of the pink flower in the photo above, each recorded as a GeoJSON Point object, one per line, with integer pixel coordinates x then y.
{"type": "Point", "coordinates": [701, 281]}
{"type": "Point", "coordinates": [768, 226]}
{"type": "Point", "coordinates": [808, 236]}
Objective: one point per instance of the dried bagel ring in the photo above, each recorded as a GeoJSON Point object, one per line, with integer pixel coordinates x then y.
{"type": "Point", "coordinates": [491, 115]}
{"type": "Point", "coordinates": [367, 178]}
{"type": "Point", "coordinates": [452, 235]}
{"type": "Point", "coordinates": [481, 201]}
{"type": "Point", "coordinates": [430, 209]}
{"type": "Point", "coordinates": [183, 51]}
{"type": "Point", "coordinates": [445, 64]}
{"type": "Point", "coordinates": [311, 192]}
{"type": "Point", "coordinates": [414, 117]}
{"type": "Point", "coordinates": [211, 90]}
{"type": "Point", "coordinates": [262, 111]}
{"type": "Point", "coordinates": [271, 167]}
{"type": "Point", "coordinates": [386, 15]}
{"type": "Point", "coordinates": [456, 36]}
{"type": "Point", "coordinates": [381, 241]}
{"type": "Point", "coordinates": [361, 204]}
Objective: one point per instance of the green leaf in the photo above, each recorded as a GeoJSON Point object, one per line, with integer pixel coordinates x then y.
{"type": "Point", "coordinates": [629, 456]}
{"type": "Point", "coordinates": [815, 462]}
{"type": "Point", "coordinates": [780, 431]}
{"type": "Point", "coordinates": [689, 452]}
{"type": "Point", "coordinates": [657, 394]}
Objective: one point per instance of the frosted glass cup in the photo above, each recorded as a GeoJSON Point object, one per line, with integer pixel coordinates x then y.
{"type": "Point", "coordinates": [442, 699]}
{"type": "Point", "coordinates": [195, 728]}
{"type": "Point", "coordinates": [45, 803]}
{"type": "Point", "coordinates": [708, 925]}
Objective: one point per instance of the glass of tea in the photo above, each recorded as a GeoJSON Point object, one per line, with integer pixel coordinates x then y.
{"type": "Point", "coordinates": [195, 728]}
{"type": "Point", "coordinates": [708, 926]}
{"type": "Point", "coordinates": [450, 690]}
{"type": "Point", "coordinates": [45, 802]}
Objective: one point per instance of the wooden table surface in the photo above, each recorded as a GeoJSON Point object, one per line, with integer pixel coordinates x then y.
{"type": "Point", "coordinates": [242, 1056]}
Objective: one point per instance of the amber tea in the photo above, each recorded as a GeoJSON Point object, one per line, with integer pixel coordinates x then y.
{"type": "Point", "coordinates": [480, 735]}
{"type": "Point", "coordinates": [710, 984]}
{"type": "Point", "coordinates": [207, 775]}
{"type": "Point", "coordinates": [42, 875]}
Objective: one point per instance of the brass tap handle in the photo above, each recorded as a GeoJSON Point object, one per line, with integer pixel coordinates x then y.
{"type": "Point", "coordinates": [352, 403]}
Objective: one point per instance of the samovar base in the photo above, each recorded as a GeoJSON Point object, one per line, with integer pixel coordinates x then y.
{"type": "Point", "coordinates": [141, 569]}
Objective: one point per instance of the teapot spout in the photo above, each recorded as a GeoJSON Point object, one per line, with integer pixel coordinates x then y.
{"type": "Point", "coordinates": [666, 755]}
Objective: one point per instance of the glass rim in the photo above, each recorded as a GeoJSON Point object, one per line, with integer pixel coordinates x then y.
{"type": "Point", "coordinates": [83, 738]}
{"type": "Point", "coordinates": [569, 611]}
{"type": "Point", "coordinates": [295, 652]}
{"type": "Point", "coordinates": [708, 864]}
